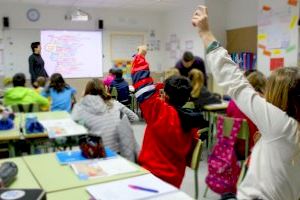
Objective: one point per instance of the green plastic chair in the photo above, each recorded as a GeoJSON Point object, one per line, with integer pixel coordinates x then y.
{"type": "Point", "coordinates": [195, 162]}
{"type": "Point", "coordinates": [25, 108]}
{"type": "Point", "coordinates": [114, 93]}
{"type": "Point", "coordinates": [227, 127]}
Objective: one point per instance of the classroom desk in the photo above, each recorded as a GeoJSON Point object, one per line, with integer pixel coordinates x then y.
{"type": "Point", "coordinates": [45, 116]}
{"type": "Point", "coordinates": [55, 177]}
{"type": "Point", "coordinates": [24, 179]}
{"type": "Point", "coordinates": [81, 193]}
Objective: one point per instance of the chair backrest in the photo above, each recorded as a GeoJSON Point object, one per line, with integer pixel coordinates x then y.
{"type": "Point", "coordinates": [114, 92]}
{"type": "Point", "coordinates": [243, 133]}
{"type": "Point", "coordinates": [196, 157]}
{"type": "Point", "coordinates": [26, 108]}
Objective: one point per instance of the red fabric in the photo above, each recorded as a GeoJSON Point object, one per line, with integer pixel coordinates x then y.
{"type": "Point", "coordinates": [140, 63]}
{"type": "Point", "coordinates": [142, 82]}
{"type": "Point", "coordinates": [166, 148]}
{"type": "Point", "coordinates": [235, 112]}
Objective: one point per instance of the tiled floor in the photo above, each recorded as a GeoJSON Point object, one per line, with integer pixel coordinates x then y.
{"type": "Point", "coordinates": [188, 182]}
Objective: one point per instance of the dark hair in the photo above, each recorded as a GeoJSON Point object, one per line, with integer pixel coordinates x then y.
{"type": "Point", "coordinates": [112, 70]}
{"type": "Point", "coordinates": [34, 45]}
{"type": "Point", "coordinates": [188, 56]}
{"type": "Point", "coordinates": [19, 79]}
{"type": "Point", "coordinates": [97, 87]}
{"type": "Point", "coordinates": [118, 73]}
{"type": "Point", "coordinates": [178, 89]}
{"type": "Point", "coordinates": [57, 82]}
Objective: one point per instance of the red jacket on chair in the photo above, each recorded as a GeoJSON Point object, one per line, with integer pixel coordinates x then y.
{"type": "Point", "coordinates": [166, 147]}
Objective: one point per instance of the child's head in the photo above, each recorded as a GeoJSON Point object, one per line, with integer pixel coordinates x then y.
{"type": "Point", "coordinates": [283, 90]}
{"type": "Point", "coordinates": [97, 87]}
{"type": "Point", "coordinates": [118, 73]}
{"type": "Point", "coordinates": [197, 81]}
{"type": "Point", "coordinates": [19, 79]}
{"type": "Point", "coordinates": [171, 72]}
{"type": "Point", "coordinates": [177, 90]}
{"type": "Point", "coordinates": [188, 59]}
{"type": "Point", "coordinates": [258, 81]}
{"type": "Point", "coordinates": [57, 82]}
{"type": "Point", "coordinates": [248, 72]}
{"type": "Point", "coordinates": [112, 71]}
{"type": "Point", "coordinates": [41, 81]}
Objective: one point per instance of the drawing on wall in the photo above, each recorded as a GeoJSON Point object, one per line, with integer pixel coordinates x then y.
{"type": "Point", "coordinates": [125, 65]}
{"type": "Point", "coordinates": [154, 43]}
{"type": "Point", "coordinates": [277, 34]}
{"type": "Point", "coordinates": [189, 45]}
{"type": "Point", "coordinates": [173, 47]}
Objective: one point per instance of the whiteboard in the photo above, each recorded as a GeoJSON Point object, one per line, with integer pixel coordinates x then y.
{"type": "Point", "coordinates": [124, 45]}
{"type": "Point", "coordinates": [74, 54]}
{"type": "Point", "coordinates": [16, 43]}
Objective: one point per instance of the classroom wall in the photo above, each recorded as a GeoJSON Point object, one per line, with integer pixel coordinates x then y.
{"type": "Point", "coordinates": [52, 17]}
{"type": "Point", "coordinates": [240, 13]}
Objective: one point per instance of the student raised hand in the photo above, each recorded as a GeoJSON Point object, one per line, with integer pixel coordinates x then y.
{"type": "Point", "coordinates": [200, 21]}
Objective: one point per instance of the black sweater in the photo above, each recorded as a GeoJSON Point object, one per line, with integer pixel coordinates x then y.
{"type": "Point", "coordinates": [36, 67]}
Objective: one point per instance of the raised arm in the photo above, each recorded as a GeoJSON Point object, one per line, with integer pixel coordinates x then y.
{"type": "Point", "coordinates": [269, 119]}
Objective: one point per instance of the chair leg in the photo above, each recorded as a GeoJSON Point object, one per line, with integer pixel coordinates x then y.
{"type": "Point", "coordinates": [205, 192]}
{"type": "Point", "coordinates": [196, 185]}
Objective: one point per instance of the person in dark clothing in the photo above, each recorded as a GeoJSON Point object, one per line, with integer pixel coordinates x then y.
{"type": "Point", "coordinates": [36, 63]}
{"type": "Point", "coordinates": [189, 62]}
{"type": "Point", "coordinates": [122, 87]}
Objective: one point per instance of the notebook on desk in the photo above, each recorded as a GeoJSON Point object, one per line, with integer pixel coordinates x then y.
{"type": "Point", "coordinates": [140, 187]}
{"type": "Point", "coordinates": [63, 128]}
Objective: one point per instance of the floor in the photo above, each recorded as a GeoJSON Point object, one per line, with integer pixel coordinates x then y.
{"type": "Point", "coordinates": [188, 181]}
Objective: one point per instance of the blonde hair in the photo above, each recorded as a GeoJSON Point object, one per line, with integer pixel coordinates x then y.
{"type": "Point", "coordinates": [197, 82]}
{"type": "Point", "coordinates": [283, 91]}
{"type": "Point", "coordinates": [258, 81]}
{"type": "Point", "coordinates": [171, 72]}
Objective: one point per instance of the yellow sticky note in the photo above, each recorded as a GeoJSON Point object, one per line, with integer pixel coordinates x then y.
{"type": "Point", "coordinates": [276, 51]}
{"type": "Point", "coordinates": [261, 37]}
{"type": "Point", "coordinates": [293, 22]}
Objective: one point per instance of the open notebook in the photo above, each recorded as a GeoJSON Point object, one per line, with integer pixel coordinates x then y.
{"type": "Point", "coordinates": [63, 127]}
{"type": "Point", "coordinates": [140, 187]}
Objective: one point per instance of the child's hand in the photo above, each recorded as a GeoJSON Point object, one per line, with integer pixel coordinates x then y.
{"type": "Point", "coordinates": [142, 50]}
{"type": "Point", "coordinates": [200, 19]}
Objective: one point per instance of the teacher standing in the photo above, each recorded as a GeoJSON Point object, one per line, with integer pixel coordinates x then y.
{"type": "Point", "coordinates": [189, 62]}
{"type": "Point", "coordinates": [36, 63]}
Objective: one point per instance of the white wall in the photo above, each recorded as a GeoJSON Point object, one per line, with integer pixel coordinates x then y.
{"type": "Point", "coordinates": [178, 22]}
{"type": "Point", "coordinates": [114, 20]}
{"type": "Point", "coordinates": [240, 13]}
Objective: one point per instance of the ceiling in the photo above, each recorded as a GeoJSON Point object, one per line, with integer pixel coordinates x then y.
{"type": "Point", "coordinates": [128, 4]}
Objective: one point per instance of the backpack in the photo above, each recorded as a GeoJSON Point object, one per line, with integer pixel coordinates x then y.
{"type": "Point", "coordinates": [223, 168]}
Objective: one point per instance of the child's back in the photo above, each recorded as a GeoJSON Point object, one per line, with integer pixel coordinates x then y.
{"type": "Point", "coordinates": [60, 93]}
{"type": "Point", "coordinates": [169, 134]}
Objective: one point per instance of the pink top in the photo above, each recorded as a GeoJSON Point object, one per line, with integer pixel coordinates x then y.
{"type": "Point", "coordinates": [108, 80]}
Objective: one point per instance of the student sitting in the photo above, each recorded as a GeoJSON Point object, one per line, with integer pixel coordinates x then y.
{"type": "Point", "coordinates": [61, 94]}
{"type": "Point", "coordinates": [200, 95]}
{"type": "Point", "coordinates": [274, 171]}
{"type": "Point", "coordinates": [40, 84]}
{"type": "Point", "coordinates": [102, 116]}
{"type": "Point", "coordinates": [170, 130]}
{"type": "Point", "coordinates": [107, 80]}
{"type": "Point", "coordinates": [258, 82]}
{"type": "Point", "coordinates": [19, 94]}
{"type": "Point", "coordinates": [122, 87]}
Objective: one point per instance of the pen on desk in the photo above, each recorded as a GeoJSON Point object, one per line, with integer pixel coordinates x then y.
{"type": "Point", "coordinates": [142, 188]}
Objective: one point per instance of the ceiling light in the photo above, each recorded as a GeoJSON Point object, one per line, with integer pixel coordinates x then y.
{"type": "Point", "coordinates": [77, 15]}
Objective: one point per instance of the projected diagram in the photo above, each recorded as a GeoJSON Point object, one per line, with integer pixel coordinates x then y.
{"type": "Point", "coordinates": [73, 54]}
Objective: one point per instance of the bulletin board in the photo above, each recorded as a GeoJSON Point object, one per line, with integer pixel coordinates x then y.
{"type": "Point", "coordinates": [277, 34]}
{"type": "Point", "coordinates": [123, 45]}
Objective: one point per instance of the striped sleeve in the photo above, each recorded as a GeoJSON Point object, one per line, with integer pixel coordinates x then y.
{"type": "Point", "coordinates": [142, 82]}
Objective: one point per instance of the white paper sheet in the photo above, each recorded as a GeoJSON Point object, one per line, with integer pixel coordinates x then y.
{"type": "Point", "coordinates": [121, 190]}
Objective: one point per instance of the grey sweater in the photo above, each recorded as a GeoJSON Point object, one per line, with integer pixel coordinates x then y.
{"type": "Point", "coordinates": [100, 119]}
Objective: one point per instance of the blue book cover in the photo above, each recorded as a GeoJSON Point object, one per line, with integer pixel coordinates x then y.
{"type": "Point", "coordinates": [66, 157]}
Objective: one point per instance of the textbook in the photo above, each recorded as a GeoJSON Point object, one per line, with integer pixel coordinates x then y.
{"type": "Point", "coordinates": [63, 128]}
{"type": "Point", "coordinates": [67, 157]}
{"type": "Point", "coordinates": [139, 187]}
{"type": "Point", "coordinates": [93, 169]}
